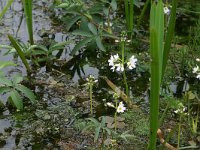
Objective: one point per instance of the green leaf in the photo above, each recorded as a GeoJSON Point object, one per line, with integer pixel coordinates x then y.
{"type": "Point", "coordinates": [99, 44]}
{"type": "Point", "coordinates": [17, 79]}
{"type": "Point", "coordinates": [5, 81]}
{"type": "Point", "coordinates": [82, 33]}
{"type": "Point", "coordinates": [27, 92]}
{"type": "Point", "coordinates": [95, 121]}
{"type": "Point", "coordinates": [4, 89]}
{"type": "Point", "coordinates": [71, 22]}
{"type": "Point", "coordinates": [114, 5]}
{"type": "Point", "coordinates": [81, 44]}
{"type": "Point", "coordinates": [97, 131]}
{"type": "Point", "coordinates": [20, 52]}
{"type": "Point", "coordinates": [6, 64]}
{"type": "Point", "coordinates": [16, 99]}
{"type": "Point", "coordinates": [92, 28]}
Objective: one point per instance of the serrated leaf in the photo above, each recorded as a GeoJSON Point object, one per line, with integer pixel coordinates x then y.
{"type": "Point", "coordinates": [99, 44]}
{"type": "Point", "coordinates": [27, 92]}
{"type": "Point", "coordinates": [82, 33]}
{"type": "Point", "coordinates": [81, 44]}
{"type": "Point", "coordinates": [92, 28]}
{"type": "Point", "coordinates": [16, 99]}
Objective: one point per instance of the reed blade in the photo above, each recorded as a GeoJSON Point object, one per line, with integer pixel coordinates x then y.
{"type": "Point", "coordinates": [27, 4]}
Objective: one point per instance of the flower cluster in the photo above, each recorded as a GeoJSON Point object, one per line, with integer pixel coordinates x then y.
{"type": "Point", "coordinates": [116, 63]}
{"type": "Point", "coordinates": [181, 109]}
{"type": "Point", "coordinates": [90, 81]}
{"type": "Point", "coordinates": [196, 70]}
{"type": "Point", "coordinates": [120, 108]}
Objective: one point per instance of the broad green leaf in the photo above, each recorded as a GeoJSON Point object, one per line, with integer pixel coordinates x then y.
{"type": "Point", "coordinates": [16, 99]}
{"type": "Point", "coordinates": [99, 44]}
{"type": "Point", "coordinates": [4, 89]}
{"type": "Point", "coordinates": [27, 92]}
{"type": "Point", "coordinates": [4, 64]}
{"type": "Point", "coordinates": [82, 33]}
{"type": "Point", "coordinates": [92, 28]}
{"type": "Point", "coordinates": [81, 44]}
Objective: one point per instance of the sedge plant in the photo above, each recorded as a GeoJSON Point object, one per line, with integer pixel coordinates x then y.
{"type": "Point", "coordinates": [159, 50]}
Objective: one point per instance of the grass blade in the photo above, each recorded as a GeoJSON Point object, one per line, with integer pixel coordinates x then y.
{"type": "Point", "coordinates": [6, 8]}
{"type": "Point", "coordinates": [27, 4]}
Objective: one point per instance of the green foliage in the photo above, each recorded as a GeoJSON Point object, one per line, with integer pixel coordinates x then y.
{"type": "Point", "coordinates": [15, 89]}
{"type": "Point", "coordinates": [99, 127]}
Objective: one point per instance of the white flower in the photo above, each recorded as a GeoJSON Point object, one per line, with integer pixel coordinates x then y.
{"type": "Point", "coordinates": [198, 76]}
{"type": "Point", "coordinates": [113, 59]}
{"type": "Point", "coordinates": [120, 67]}
{"type": "Point", "coordinates": [110, 104]}
{"type": "Point", "coordinates": [132, 62]}
{"type": "Point", "coordinates": [121, 108]}
{"type": "Point", "coordinates": [166, 10]}
{"type": "Point", "coordinates": [195, 69]}
{"type": "Point", "coordinates": [110, 24]}
{"type": "Point", "coordinates": [116, 41]}
{"type": "Point", "coordinates": [198, 59]}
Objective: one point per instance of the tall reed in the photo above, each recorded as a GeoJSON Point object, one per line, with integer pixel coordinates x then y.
{"type": "Point", "coordinates": [27, 4]}
{"type": "Point", "coordinates": [159, 56]}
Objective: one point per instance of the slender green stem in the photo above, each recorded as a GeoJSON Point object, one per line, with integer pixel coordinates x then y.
{"type": "Point", "coordinates": [131, 19]}
{"type": "Point", "coordinates": [6, 8]}
{"type": "Point", "coordinates": [115, 117]}
{"type": "Point", "coordinates": [91, 101]}
{"type": "Point", "coordinates": [126, 12]}
{"type": "Point", "coordinates": [124, 73]}
{"type": "Point", "coordinates": [179, 131]}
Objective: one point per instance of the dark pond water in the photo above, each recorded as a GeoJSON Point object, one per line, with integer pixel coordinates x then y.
{"type": "Point", "coordinates": [14, 23]}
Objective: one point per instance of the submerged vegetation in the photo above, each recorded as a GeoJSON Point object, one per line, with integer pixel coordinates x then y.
{"type": "Point", "coordinates": [137, 75]}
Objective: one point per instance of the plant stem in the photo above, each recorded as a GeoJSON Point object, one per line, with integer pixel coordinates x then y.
{"type": "Point", "coordinates": [124, 73]}
{"type": "Point", "coordinates": [179, 131]}
{"type": "Point", "coordinates": [91, 109]}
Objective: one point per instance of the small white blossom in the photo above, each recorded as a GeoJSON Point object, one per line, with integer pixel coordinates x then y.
{"type": "Point", "coordinates": [198, 76]}
{"type": "Point", "coordinates": [113, 60]}
{"type": "Point", "coordinates": [116, 41]}
{"type": "Point", "coordinates": [166, 10]}
{"type": "Point", "coordinates": [132, 62]}
{"type": "Point", "coordinates": [198, 59]}
{"type": "Point", "coordinates": [110, 104]}
{"type": "Point", "coordinates": [121, 108]}
{"type": "Point", "coordinates": [110, 24]}
{"type": "Point", "coordinates": [195, 69]}
{"type": "Point", "coordinates": [120, 67]}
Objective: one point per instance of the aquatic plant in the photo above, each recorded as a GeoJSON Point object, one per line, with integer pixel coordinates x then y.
{"type": "Point", "coordinates": [159, 57]}
{"type": "Point", "coordinates": [15, 89]}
